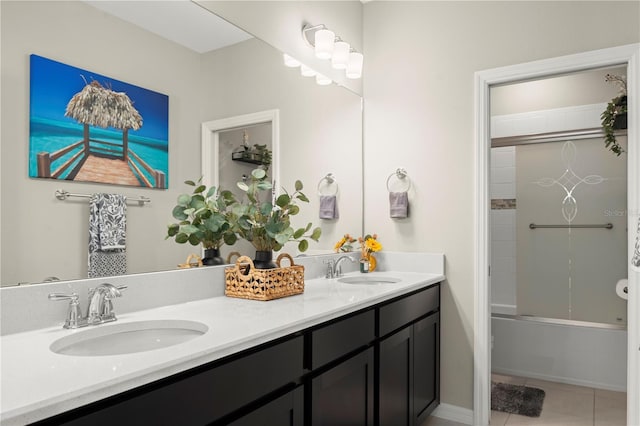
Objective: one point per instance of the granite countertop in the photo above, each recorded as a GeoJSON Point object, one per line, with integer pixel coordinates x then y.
{"type": "Point", "coordinates": [38, 383]}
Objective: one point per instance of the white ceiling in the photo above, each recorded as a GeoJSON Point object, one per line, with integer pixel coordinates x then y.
{"type": "Point", "coordinates": [180, 21]}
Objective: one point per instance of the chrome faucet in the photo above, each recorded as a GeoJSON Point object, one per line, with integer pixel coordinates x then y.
{"type": "Point", "coordinates": [100, 308]}
{"type": "Point", "coordinates": [334, 268]}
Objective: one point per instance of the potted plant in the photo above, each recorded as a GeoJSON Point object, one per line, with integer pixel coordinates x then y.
{"type": "Point", "coordinates": [267, 225]}
{"type": "Point", "coordinates": [204, 219]}
{"type": "Point", "coordinates": [614, 117]}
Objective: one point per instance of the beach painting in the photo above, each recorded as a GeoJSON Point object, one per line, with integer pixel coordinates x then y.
{"type": "Point", "coordinates": [87, 127]}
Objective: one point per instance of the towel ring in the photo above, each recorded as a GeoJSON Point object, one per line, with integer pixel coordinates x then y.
{"type": "Point", "coordinates": [401, 175]}
{"type": "Point", "coordinates": [331, 180]}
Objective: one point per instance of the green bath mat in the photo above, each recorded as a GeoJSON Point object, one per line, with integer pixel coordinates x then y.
{"type": "Point", "coordinates": [515, 399]}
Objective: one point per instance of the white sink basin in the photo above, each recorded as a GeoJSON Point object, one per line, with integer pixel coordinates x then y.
{"type": "Point", "coordinates": [126, 338]}
{"type": "Point", "coordinates": [369, 279]}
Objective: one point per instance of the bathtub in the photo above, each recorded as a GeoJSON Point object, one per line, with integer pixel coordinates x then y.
{"type": "Point", "coordinates": [574, 352]}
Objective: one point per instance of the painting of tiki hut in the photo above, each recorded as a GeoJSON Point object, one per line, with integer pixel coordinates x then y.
{"type": "Point", "coordinates": [96, 134]}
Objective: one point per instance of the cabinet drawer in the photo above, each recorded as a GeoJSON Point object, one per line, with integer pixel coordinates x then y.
{"type": "Point", "coordinates": [201, 396]}
{"type": "Point", "coordinates": [335, 340]}
{"type": "Point", "coordinates": [401, 312]}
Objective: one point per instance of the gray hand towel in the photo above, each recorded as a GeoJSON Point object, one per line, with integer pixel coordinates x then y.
{"type": "Point", "coordinates": [399, 204]}
{"type": "Point", "coordinates": [329, 207]}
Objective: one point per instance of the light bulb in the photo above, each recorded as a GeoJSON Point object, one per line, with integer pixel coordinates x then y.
{"type": "Point", "coordinates": [290, 61]}
{"type": "Point", "coordinates": [324, 43]}
{"type": "Point", "coordinates": [306, 71]}
{"type": "Point", "coordinates": [340, 57]}
{"type": "Point", "coordinates": [323, 80]}
{"type": "Point", "coordinates": [354, 68]}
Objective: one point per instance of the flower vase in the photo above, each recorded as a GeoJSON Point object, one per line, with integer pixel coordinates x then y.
{"type": "Point", "coordinates": [264, 260]}
{"type": "Point", "coordinates": [212, 257]}
{"type": "Point", "coordinates": [364, 266]}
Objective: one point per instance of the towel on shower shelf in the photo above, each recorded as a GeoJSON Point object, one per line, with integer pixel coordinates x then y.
{"type": "Point", "coordinates": [107, 235]}
{"type": "Point", "coordinates": [399, 204]}
{"type": "Point", "coordinates": [329, 207]}
{"type": "Point", "coordinates": [635, 261]}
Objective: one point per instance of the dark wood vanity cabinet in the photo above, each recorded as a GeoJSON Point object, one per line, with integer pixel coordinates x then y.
{"type": "Point", "coordinates": [409, 360]}
{"type": "Point", "coordinates": [377, 366]}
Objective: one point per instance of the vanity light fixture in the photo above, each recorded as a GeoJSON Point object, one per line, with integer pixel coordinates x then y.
{"type": "Point", "coordinates": [354, 67]}
{"type": "Point", "coordinates": [324, 42]}
{"type": "Point", "coordinates": [328, 46]}
{"type": "Point", "coordinates": [340, 58]}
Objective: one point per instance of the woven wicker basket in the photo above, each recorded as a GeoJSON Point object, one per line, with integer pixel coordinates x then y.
{"type": "Point", "coordinates": [243, 280]}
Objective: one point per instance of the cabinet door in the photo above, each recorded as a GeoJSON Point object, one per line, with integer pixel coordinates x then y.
{"type": "Point", "coordinates": [395, 379]}
{"type": "Point", "coordinates": [343, 395]}
{"type": "Point", "coordinates": [286, 410]}
{"type": "Point", "coordinates": [426, 366]}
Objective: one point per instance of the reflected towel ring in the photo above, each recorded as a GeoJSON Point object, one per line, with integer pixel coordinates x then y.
{"type": "Point", "coordinates": [331, 180]}
{"type": "Point", "coordinates": [401, 175]}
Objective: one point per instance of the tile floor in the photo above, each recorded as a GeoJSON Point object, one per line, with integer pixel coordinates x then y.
{"type": "Point", "coordinates": [564, 405]}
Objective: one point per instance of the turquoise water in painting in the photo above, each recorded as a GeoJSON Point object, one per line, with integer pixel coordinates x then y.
{"type": "Point", "coordinates": [47, 135]}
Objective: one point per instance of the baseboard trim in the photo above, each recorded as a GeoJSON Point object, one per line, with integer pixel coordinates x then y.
{"type": "Point", "coordinates": [454, 413]}
{"type": "Point", "coordinates": [558, 379]}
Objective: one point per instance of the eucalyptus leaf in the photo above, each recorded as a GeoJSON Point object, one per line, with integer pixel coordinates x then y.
{"type": "Point", "coordinates": [283, 200]}
{"type": "Point", "coordinates": [303, 245]}
{"type": "Point", "coordinates": [199, 189]}
{"type": "Point", "coordinates": [178, 213]}
{"type": "Point", "coordinates": [293, 210]}
{"type": "Point", "coordinates": [298, 185]}
{"type": "Point", "coordinates": [258, 173]}
{"type": "Point", "coordinates": [315, 236]}
{"type": "Point", "coordinates": [190, 182]}
{"type": "Point", "coordinates": [184, 199]}
{"type": "Point", "coordinates": [299, 233]}
{"type": "Point", "coordinates": [243, 186]}
{"type": "Point", "coordinates": [182, 238]}
{"type": "Point", "coordinates": [302, 197]}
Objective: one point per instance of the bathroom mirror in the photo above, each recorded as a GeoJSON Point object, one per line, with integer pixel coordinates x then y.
{"type": "Point", "coordinates": [320, 133]}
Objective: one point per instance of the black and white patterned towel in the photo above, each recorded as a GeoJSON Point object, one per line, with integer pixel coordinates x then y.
{"type": "Point", "coordinates": [107, 235]}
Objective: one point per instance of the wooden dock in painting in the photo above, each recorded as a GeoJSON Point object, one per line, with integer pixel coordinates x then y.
{"type": "Point", "coordinates": [106, 170]}
{"type": "Point", "coordinates": [100, 161]}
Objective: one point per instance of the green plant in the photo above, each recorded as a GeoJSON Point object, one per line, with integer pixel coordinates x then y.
{"type": "Point", "coordinates": [204, 217]}
{"type": "Point", "coordinates": [265, 224]}
{"type": "Point", "coordinates": [616, 107]}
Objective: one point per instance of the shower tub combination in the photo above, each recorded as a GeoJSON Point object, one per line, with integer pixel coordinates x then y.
{"type": "Point", "coordinates": [557, 253]}
{"type": "Point", "coordinates": [575, 352]}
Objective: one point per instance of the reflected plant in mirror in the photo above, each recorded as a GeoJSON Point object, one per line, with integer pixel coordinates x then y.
{"type": "Point", "coordinates": [205, 219]}
{"type": "Point", "coordinates": [267, 226]}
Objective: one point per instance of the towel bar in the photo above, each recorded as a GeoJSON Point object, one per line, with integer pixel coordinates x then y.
{"type": "Point", "coordinates": [604, 225]}
{"type": "Point", "coordinates": [330, 179]}
{"type": "Point", "coordinates": [61, 194]}
{"type": "Point", "coordinates": [401, 175]}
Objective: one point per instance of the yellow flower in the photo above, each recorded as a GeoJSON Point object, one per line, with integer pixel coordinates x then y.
{"type": "Point", "coordinates": [373, 245]}
{"type": "Point", "coordinates": [340, 244]}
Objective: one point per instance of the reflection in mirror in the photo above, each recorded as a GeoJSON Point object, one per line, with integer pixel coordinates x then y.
{"type": "Point", "coordinates": [320, 132]}
{"type": "Point", "coordinates": [236, 159]}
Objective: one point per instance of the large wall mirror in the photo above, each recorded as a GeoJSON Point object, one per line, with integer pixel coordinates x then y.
{"type": "Point", "coordinates": [320, 131]}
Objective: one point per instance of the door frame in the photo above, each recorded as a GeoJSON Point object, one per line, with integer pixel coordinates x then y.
{"type": "Point", "coordinates": [210, 141]}
{"type": "Point", "coordinates": [621, 55]}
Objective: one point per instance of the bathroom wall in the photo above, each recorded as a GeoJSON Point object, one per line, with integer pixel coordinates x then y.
{"type": "Point", "coordinates": [420, 59]}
